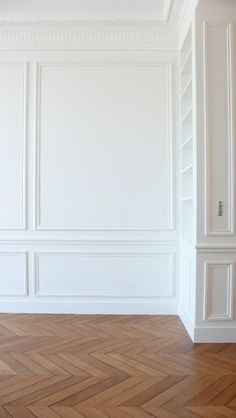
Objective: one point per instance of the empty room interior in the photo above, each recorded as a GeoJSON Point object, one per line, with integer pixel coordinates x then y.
{"type": "Point", "coordinates": [117, 208]}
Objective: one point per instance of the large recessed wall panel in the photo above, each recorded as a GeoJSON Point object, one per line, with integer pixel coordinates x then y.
{"type": "Point", "coordinates": [12, 145]}
{"type": "Point", "coordinates": [219, 120]}
{"type": "Point", "coordinates": [104, 156]}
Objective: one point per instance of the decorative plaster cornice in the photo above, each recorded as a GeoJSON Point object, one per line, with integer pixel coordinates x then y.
{"type": "Point", "coordinates": [87, 40]}
{"type": "Point", "coordinates": [79, 34]}
{"type": "Point", "coordinates": [73, 31]}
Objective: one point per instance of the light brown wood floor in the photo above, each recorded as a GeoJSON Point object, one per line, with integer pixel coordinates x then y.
{"type": "Point", "coordinates": [111, 366]}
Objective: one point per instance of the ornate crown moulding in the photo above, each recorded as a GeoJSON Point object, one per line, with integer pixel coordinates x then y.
{"type": "Point", "coordinates": [87, 39]}
{"type": "Point", "coordinates": [25, 32]}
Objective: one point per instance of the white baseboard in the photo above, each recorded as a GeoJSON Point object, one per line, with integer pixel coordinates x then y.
{"type": "Point", "coordinates": [215, 334]}
{"type": "Point", "coordinates": [187, 322]}
{"type": "Point", "coordinates": [92, 306]}
{"type": "Point", "coordinates": [209, 334]}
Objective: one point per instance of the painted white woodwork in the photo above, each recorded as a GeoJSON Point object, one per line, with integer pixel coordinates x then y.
{"type": "Point", "coordinates": [219, 149]}
{"type": "Point", "coordinates": [212, 253]}
{"type": "Point", "coordinates": [100, 188]}
{"type": "Point", "coordinates": [93, 24]}
{"type": "Point", "coordinates": [215, 295]}
{"type": "Point", "coordinates": [187, 287]}
{"type": "Point", "coordinates": [215, 103]}
{"type": "Point", "coordinates": [121, 275]}
{"type": "Point", "coordinates": [218, 291]}
{"type": "Point", "coordinates": [13, 80]}
{"type": "Point", "coordinates": [187, 139]}
{"type": "Point", "coordinates": [110, 124]}
{"type": "Point", "coordinates": [187, 177]}
{"type": "Point", "coordinates": [95, 278]}
{"type": "Point", "coordinates": [13, 273]}
{"type": "Point", "coordinates": [216, 240]}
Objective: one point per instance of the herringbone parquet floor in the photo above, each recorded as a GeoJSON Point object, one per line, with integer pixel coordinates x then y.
{"type": "Point", "coordinates": [71, 366]}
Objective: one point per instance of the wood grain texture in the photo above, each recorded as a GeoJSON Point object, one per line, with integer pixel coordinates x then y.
{"type": "Point", "coordinates": [71, 366]}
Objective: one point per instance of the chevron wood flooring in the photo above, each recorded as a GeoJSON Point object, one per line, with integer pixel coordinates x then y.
{"type": "Point", "coordinates": [71, 366]}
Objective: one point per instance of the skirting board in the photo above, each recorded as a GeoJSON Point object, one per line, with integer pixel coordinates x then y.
{"type": "Point", "coordinates": [215, 334]}
{"type": "Point", "coordinates": [187, 322]}
{"type": "Point", "coordinates": [209, 334]}
{"type": "Point", "coordinates": [90, 307]}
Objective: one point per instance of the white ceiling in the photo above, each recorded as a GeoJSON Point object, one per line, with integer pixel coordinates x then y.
{"type": "Point", "coordinates": [157, 9]}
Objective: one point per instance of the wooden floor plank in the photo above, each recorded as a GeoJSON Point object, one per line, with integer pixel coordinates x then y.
{"type": "Point", "coordinates": [101, 366]}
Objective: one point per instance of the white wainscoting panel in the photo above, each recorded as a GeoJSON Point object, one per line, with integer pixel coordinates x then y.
{"type": "Point", "coordinates": [186, 282]}
{"type": "Point", "coordinates": [105, 274]}
{"type": "Point", "coordinates": [187, 287]}
{"type": "Point", "coordinates": [219, 138]}
{"type": "Point", "coordinates": [88, 164]}
{"type": "Point", "coordinates": [13, 88]}
{"type": "Point", "coordinates": [218, 292]}
{"type": "Point", "coordinates": [13, 274]}
{"type": "Point", "coordinates": [104, 146]}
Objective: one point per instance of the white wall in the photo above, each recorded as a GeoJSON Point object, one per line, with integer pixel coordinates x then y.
{"type": "Point", "coordinates": [88, 181]}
